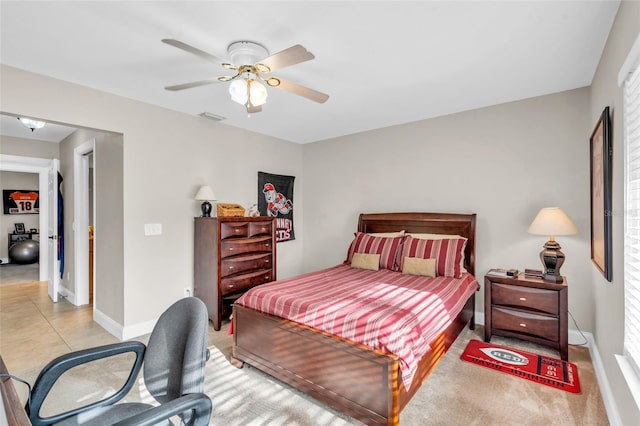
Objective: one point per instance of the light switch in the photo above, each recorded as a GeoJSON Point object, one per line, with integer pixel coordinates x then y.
{"type": "Point", "coordinates": [152, 229]}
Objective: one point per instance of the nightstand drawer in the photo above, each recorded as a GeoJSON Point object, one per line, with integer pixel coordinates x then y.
{"type": "Point", "coordinates": [245, 282]}
{"type": "Point", "coordinates": [525, 297]}
{"type": "Point", "coordinates": [526, 323]}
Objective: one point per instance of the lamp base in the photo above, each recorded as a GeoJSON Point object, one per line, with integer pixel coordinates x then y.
{"type": "Point", "coordinates": [206, 209]}
{"type": "Point", "coordinates": [552, 259]}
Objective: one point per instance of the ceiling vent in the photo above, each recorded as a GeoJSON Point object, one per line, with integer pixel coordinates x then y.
{"type": "Point", "coordinates": [212, 116]}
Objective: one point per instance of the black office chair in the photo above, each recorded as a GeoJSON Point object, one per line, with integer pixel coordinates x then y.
{"type": "Point", "coordinates": [173, 372]}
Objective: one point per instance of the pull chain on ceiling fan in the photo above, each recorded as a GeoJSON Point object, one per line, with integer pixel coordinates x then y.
{"type": "Point", "coordinates": [244, 58]}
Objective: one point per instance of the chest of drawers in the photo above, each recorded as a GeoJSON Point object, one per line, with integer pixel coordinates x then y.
{"type": "Point", "coordinates": [231, 255]}
{"type": "Point", "coordinates": [529, 309]}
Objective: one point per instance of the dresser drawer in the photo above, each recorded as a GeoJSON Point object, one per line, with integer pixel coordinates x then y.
{"type": "Point", "coordinates": [245, 281]}
{"type": "Point", "coordinates": [525, 297]}
{"type": "Point", "coordinates": [233, 229]}
{"type": "Point", "coordinates": [260, 228]}
{"type": "Point", "coordinates": [240, 264]}
{"type": "Point", "coordinates": [234, 247]}
{"type": "Point", "coordinates": [527, 323]}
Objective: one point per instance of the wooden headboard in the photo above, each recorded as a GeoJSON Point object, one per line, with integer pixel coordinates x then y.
{"type": "Point", "coordinates": [426, 223]}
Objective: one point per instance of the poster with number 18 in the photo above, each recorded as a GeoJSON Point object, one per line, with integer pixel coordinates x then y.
{"type": "Point", "coordinates": [20, 201]}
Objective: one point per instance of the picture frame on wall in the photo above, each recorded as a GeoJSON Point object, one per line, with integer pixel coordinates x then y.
{"type": "Point", "coordinates": [601, 164]}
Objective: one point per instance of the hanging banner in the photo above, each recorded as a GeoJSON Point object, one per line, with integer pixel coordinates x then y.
{"type": "Point", "coordinates": [20, 201]}
{"type": "Point", "coordinates": [275, 199]}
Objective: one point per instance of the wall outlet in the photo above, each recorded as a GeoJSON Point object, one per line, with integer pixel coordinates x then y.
{"type": "Point", "coordinates": [187, 292]}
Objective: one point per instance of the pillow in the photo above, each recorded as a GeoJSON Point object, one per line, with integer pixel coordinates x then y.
{"type": "Point", "coordinates": [386, 234]}
{"type": "Point", "coordinates": [448, 253]}
{"type": "Point", "coordinates": [366, 261]}
{"type": "Point", "coordinates": [440, 237]}
{"type": "Point", "coordinates": [418, 266]}
{"type": "Point", "coordinates": [389, 248]}
{"type": "Point", "coordinates": [433, 236]}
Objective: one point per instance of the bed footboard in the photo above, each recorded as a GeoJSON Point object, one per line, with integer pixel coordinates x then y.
{"type": "Point", "coordinates": [349, 377]}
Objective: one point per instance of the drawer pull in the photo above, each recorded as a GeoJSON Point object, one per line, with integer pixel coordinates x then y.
{"type": "Point", "coordinates": [231, 267]}
{"type": "Point", "coordinates": [266, 261]}
{"type": "Point", "coordinates": [237, 229]}
{"type": "Point", "coordinates": [524, 299]}
{"type": "Point", "coordinates": [266, 245]}
{"type": "Point", "coordinates": [230, 248]}
{"type": "Point", "coordinates": [266, 277]}
{"type": "Point", "coordinates": [523, 325]}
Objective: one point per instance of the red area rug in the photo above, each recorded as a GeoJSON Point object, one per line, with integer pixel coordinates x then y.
{"type": "Point", "coordinates": [552, 372]}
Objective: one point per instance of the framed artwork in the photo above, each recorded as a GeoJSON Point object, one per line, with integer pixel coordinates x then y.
{"type": "Point", "coordinates": [19, 228]}
{"type": "Point", "coordinates": [20, 201]}
{"type": "Point", "coordinates": [601, 163]}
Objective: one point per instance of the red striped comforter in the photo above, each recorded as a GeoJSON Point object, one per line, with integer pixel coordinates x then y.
{"type": "Point", "coordinates": [387, 310]}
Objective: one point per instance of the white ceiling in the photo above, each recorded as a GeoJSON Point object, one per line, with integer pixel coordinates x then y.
{"type": "Point", "coordinates": [382, 63]}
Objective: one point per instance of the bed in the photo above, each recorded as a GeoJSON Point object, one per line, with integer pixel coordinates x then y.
{"type": "Point", "coordinates": [356, 379]}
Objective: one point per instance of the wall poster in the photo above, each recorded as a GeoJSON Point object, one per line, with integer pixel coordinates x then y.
{"type": "Point", "coordinates": [275, 199]}
{"type": "Point", "coordinates": [20, 201]}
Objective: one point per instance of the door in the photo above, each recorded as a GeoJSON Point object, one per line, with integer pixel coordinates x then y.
{"type": "Point", "coordinates": [52, 211]}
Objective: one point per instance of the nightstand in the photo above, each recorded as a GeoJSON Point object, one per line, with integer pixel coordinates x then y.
{"type": "Point", "coordinates": [529, 309]}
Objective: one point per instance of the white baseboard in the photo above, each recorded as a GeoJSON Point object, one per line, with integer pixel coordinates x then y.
{"type": "Point", "coordinates": [140, 329]}
{"type": "Point", "coordinates": [578, 338]}
{"type": "Point", "coordinates": [107, 323]}
{"type": "Point", "coordinates": [4, 260]}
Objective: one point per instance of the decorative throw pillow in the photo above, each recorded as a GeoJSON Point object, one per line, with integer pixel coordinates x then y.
{"type": "Point", "coordinates": [366, 261]}
{"type": "Point", "coordinates": [417, 266]}
{"type": "Point", "coordinates": [448, 253]}
{"type": "Point", "coordinates": [389, 249]}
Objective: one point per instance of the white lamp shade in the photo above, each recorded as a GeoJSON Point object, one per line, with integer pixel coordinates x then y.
{"type": "Point", "coordinates": [257, 93]}
{"type": "Point", "coordinates": [31, 124]}
{"type": "Point", "coordinates": [205, 193]}
{"type": "Point", "coordinates": [552, 221]}
{"type": "Point", "coordinates": [238, 91]}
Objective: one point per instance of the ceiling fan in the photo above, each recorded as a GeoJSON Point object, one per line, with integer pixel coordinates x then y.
{"type": "Point", "coordinates": [251, 64]}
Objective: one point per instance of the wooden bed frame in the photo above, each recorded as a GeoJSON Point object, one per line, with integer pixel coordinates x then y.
{"type": "Point", "coordinates": [352, 378]}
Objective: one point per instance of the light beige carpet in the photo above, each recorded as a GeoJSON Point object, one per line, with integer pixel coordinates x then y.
{"type": "Point", "coordinates": [456, 393]}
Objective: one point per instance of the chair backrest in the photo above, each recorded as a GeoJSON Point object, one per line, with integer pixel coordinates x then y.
{"type": "Point", "coordinates": [177, 351]}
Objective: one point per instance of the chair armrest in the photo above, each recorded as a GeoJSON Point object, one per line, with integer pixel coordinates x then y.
{"type": "Point", "coordinates": [198, 403]}
{"type": "Point", "coordinates": [56, 368]}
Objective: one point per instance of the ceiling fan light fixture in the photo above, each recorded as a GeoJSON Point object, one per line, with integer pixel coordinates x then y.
{"type": "Point", "coordinates": [248, 90]}
{"type": "Point", "coordinates": [238, 91]}
{"type": "Point", "coordinates": [31, 124]}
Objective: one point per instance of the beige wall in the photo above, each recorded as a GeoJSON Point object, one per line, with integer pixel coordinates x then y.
{"type": "Point", "coordinates": [16, 180]}
{"type": "Point", "coordinates": [166, 157]}
{"type": "Point", "coordinates": [503, 162]}
{"type": "Point", "coordinates": [28, 147]}
{"type": "Point", "coordinates": [609, 311]}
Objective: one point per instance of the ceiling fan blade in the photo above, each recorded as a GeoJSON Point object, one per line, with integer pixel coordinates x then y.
{"type": "Point", "coordinates": [298, 89]}
{"type": "Point", "coordinates": [187, 48]}
{"type": "Point", "coordinates": [291, 56]}
{"type": "Point", "coordinates": [193, 84]}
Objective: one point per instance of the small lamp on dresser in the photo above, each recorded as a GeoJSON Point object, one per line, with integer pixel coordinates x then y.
{"type": "Point", "coordinates": [205, 194]}
{"type": "Point", "coordinates": [552, 221]}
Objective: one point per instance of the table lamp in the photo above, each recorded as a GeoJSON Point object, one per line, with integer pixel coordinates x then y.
{"type": "Point", "coordinates": [205, 194]}
{"type": "Point", "coordinates": [552, 221]}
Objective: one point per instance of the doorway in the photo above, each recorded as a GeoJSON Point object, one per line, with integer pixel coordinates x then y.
{"type": "Point", "coordinates": [84, 222]}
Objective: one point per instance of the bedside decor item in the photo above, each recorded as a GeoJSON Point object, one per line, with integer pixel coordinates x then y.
{"type": "Point", "coordinates": [205, 194]}
{"type": "Point", "coordinates": [552, 221]}
{"type": "Point", "coordinates": [230, 210]}
{"type": "Point", "coordinates": [601, 166]}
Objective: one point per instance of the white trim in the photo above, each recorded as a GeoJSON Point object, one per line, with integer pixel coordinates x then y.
{"type": "Point", "coordinates": [632, 379]}
{"type": "Point", "coordinates": [67, 294]}
{"type": "Point", "coordinates": [107, 323]}
{"type": "Point", "coordinates": [140, 329]}
{"type": "Point", "coordinates": [81, 221]}
{"type": "Point", "coordinates": [630, 64]}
